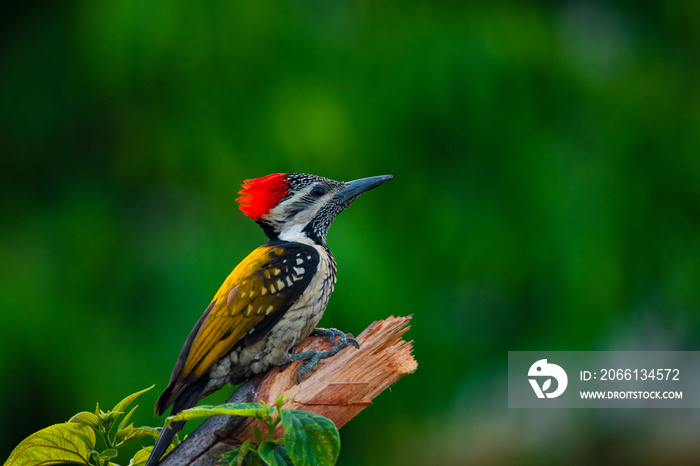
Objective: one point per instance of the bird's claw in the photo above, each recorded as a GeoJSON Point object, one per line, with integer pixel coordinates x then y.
{"type": "Point", "coordinates": [315, 356]}
{"type": "Point", "coordinates": [331, 333]}
{"type": "Point", "coordinates": [354, 342]}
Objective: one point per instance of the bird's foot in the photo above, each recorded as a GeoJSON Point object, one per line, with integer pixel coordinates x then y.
{"type": "Point", "coordinates": [313, 357]}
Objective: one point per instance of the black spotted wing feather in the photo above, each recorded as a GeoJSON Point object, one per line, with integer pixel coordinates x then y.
{"type": "Point", "coordinates": [252, 300]}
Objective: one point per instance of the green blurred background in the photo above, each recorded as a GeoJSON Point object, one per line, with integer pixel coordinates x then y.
{"type": "Point", "coordinates": [546, 196]}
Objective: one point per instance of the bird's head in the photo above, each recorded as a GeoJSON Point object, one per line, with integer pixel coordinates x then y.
{"type": "Point", "coordinates": [300, 207]}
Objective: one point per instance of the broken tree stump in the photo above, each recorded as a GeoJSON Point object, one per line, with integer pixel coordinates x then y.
{"type": "Point", "coordinates": [337, 388]}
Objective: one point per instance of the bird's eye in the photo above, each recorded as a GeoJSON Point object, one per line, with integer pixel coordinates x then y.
{"type": "Point", "coordinates": [318, 191]}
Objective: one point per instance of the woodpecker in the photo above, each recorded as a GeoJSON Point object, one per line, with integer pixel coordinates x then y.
{"type": "Point", "coordinates": [272, 300]}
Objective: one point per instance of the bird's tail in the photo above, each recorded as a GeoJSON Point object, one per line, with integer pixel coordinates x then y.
{"type": "Point", "coordinates": [187, 398]}
{"type": "Point", "coordinates": [163, 442]}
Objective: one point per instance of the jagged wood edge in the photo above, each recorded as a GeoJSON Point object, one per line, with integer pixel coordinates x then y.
{"type": "Point", "coordinates": [221, 433]}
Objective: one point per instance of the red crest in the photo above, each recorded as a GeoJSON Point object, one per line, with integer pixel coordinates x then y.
{"type": "Point", "coordinates": [260, 195]}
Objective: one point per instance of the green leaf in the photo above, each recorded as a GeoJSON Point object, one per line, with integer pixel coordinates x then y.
{"type": "Point", "coordinates": [204, 411]}
{"type": "Point", "coordinates": [86, 418]}
{"type": "Point", "coordinates": [244, 448]}
{"type": "Point", "coordinates": [140, 432]}
{"type": "Point", "coordinates": [237, 455]}
{"type": "Point", "coordinates": [87, 436]}
{"type": "Point", "coordinates": [141, 457]}
{"type": "Point", "coordinates": [271, 455]}
{"type": "Point", "coordinates": [53, 445]}
{"type": "Point", "coordinates": [227, 457]}
{"type": "Point", "coordinates": [258, 435]}
{"type": "Point", "coordinates": [107, 454]}
{"type": "Point", "coordinates": [283, 451]}
{"type": "Point", "coordinates": [121, 406]}
{"type": "Point", "coordinates": [124, 422]}
{"type": "Point", "coordinates": [124, 432]}
{"type": "Point", "coordinates": [310, 439]}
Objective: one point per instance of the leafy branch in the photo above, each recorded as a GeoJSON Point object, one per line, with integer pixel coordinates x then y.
{"type": "Point", "coordinates": [309, 438]}
{"type": "Point", "coordinates": [75, 441]}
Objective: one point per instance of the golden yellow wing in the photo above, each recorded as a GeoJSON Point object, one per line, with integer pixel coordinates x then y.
{"type": "Point", "coordinates": [252, 299]}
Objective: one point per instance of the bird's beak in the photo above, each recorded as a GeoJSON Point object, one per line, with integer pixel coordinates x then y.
{"type": "Point", "coordinates": [354, 188]}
